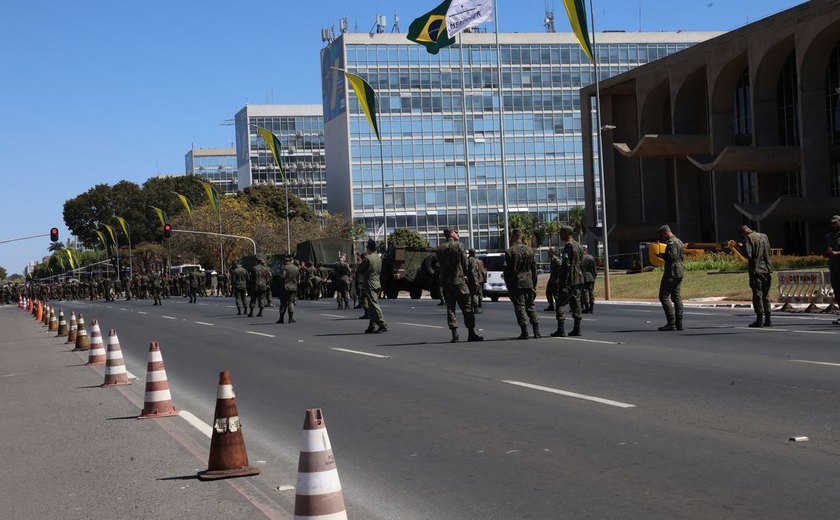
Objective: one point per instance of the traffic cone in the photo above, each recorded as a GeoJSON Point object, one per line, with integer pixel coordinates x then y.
{"type": "Point", "coordinates": [96, 354]}
{"type": "Point", "coordinates": [36, 312]}
{"type": "Point", "coordinates": [82, 340]}
{"type": "Point", "coordinates": [45, 322]}
{"type": "Point", "coordinates": [228, 457]}
{"type": "Point", "coordinates": [71, 334]}
{"type": "Point", "coordinates": [20, 301]}
{"type": "Point", "coordinates": [115, 372]}
{"type": "Point", "coordinates": [53, 323]}
{"type": "Point", "coordinates": [318, 493]}
{"type": "Point", "coordinates": [62, 324]}
{"type": "Point", "coordinates": [158, 402]}
{"type": "Point", "coordinates": [31, 305]}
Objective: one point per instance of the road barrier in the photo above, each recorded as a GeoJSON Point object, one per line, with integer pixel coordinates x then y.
{"type": "Point", "coordinates": [811, 288]}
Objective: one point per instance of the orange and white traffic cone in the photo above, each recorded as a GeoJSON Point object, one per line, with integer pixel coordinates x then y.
{"type": "Point", "coordinates": [82, 339]}
{"type": "Point", "coordinates": [20, 301]}
{"type": "Point", "coordinates": [96, 355]}
{"type": "Point", "coordinates": [62, 324]}
{"type": "Point", "coordinates": [71, 334]}
{"type": "Point", "coordinates": [115, 372]}
{"type": "Point", "coordinates": [52, 326]}
{"type": "Point", "coordinates": [318, 493]}
{"type": "Point", "coordinates": [37, 312]}
{"type": "Point", "coordinates": [30, 305]}
{"type": "Point", "coordinates": [46, 317]}
{"type": "Point", "coordinates": [158, 401]}
{"type": "Point", "coordinates": [228, 457]}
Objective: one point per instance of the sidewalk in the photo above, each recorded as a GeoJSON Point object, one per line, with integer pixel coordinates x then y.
{"type": "Point", "coordinates": [72, 450]}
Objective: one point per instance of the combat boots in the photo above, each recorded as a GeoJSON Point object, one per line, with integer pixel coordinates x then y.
{"type": "Point", "coordinates": [454, 336]}
{"type": "Point", "coordinates": [576, 329]}
{"type": "Point", "coordinates": [767, 322]}
{"type": "Point", "coordinates": [259, 314]}
{"type": "Point", "coordinates": [536, 327]}
{"type": "Point", "coordinates": [758, 323]}
{"type": "Point", "coordinates": [292, 318]}
{"type": "Point", "coordinates": [281, 319]}
{"type": "Point", "coordinates": [678, 322]}
{"type": "Point", "coordinates": [561, 330]}
{"type": "Point", "coordinates": [474, 337]}
{"type": "Point", "coordinates": [668, 327]}
{"type": "Point", "coordinates": [524, 334]}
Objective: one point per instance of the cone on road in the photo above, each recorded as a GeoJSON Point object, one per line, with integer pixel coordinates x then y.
{"type": "Point", "coordinates": [20, 301]}
{"type": "Point", "coordinates": [228, 457]}
{"type": "Point", "coordinates": [53, 323]}
{"type": "Point", "coordinates": [158, 401]}
{"type": "Point", "coordinates": [115, 372]}
{"type": "Point", "coordinates": [31, 305]}
{"type": "Point", "coordinates": [318, 493]}
{"type": "Point", "coordinates": [36, 312]}
{"type": "Point", "coordinates": [82, 339]}
{"type": "Point", "coordinates": [97, 355]}
{"type": "Point", "coordinates": [62, 324]}
{"type": "Point", "coordinates": [71, 334]}
{"type": "Point", "coordinates": [46, 316]}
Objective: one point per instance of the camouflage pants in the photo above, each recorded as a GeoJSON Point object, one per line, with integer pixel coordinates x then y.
{"type": "Point", "coordinates": [239, 296]}
{"type": "Point", "coordinates": [258, 298]}
{"type": "Point", "coordinates": [569, 295]}
{"type": "Point", "coordinates": [669, 291]}
{"type": "Point", "coordinates": [760, 285]}
{"type": "Point", "coordinates": [287, 303]}
{"type": "Point", "coordinates": [524, 306]}
{"type": "Point", "coordinates": [459, 294]}
{"type": "Point", "coordinates": [587, 296]}
{"type": "Point", "coordinates": [374, 311]}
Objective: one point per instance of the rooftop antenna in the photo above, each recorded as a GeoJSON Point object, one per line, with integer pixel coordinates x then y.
{"type": "Point", "coordinates": [549, 18]}
{"type": "Point", "coordinates": [328, 35]}
{"type": "Point", "coordinates": [379, 25]}
{"type": "Point", "coordinates": [343, 25]}
{"type": "Point", "coordinates": [396, 27]}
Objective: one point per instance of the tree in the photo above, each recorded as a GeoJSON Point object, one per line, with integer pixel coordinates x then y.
{"type": "Point", "coordinates": [149, 257]}
{"type": "Point", "coordinates": [84, 213]}
{"type": "Point", "coordinates": [273, 200]}
{"type": "Point", "coordinates": [528, 223]}
{"type": "Point", "coordinates": [338, 226]}
{"type": "Point", "coordinates": [2, 273]}
{"type": "Point", "coordinates": [577, 219]}
{"type": "Point", "coordinates": [56, 247]}
{"type": "Point", "coordinates": [408, 238]}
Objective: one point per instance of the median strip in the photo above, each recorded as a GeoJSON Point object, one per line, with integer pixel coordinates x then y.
{"type": "Point", "coordinates": [609, 402]}
{"type": "Point", "coordinates": [361, 353]}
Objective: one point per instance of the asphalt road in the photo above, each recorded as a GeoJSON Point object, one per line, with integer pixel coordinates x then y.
{"type": "Point", "coordinates": [625, 422]}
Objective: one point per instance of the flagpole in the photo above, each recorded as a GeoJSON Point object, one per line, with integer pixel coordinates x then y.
{"type": "Point", "coordinates": [502, 124]}
{"type": "Point", "coordinates": [470, 243]}
{"type": "Point", "coordinates": [604, 227]}
{"type": "Point", "coordinates": [130, 261]}
{"type": "Point", "coordinates": [382, 169]}
{"type": "Point", "coordinates": [288, 225]}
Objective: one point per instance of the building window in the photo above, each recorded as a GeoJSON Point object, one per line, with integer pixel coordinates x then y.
{"type": "Point", "coordinates": [787, 106]}
{"type": "Point", "coordinates": [832, 90]}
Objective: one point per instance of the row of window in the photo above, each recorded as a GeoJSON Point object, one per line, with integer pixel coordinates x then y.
{"type": "Point", "coordinates": [442, 198]}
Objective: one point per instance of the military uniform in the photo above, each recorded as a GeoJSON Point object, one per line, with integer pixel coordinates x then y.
{"type": "Point", "coordinates": [288, 296]}
{"type": "Point", "coordinates": [195, 285]}
{"type": "Point", "coordinates": [521, 280]}
{"type": "Point", "coordinates": [830, 249]}
{"type": "Point", "coordinates": [261, 283]}
{"type": "Point", "coordinates": [476, 266]}
{"type": "Point", "coordinates": [456, 279]}
{"type": "Point", "coordinates": [760, 268]}
{"type": "Point", "coordinates": [569, 286]}
{"type": "Point", "coordinates": [239, 283]}
{"type": "Point", "coordinates": [669, 287]}
{"type": "Point", "coordinates": [553, 276]}
{"type": "Point", "coordinates": [590, 273]}
{"type": "Point", "coordinates": [342, 284]}
{"type": "Point", "coordinates": [371, 269]}
{"type": "Point", "coordinates": [157, 288]}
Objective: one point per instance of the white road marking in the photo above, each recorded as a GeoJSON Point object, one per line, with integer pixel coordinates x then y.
{"type": "Point", "coordinates": [592, 341]}
{"type": "Point", "coordinates": [700, 314]}
{"type": "Point", "coordinates": [204, 323]}
{"type": "Point", "coordinates": [763, 329]}
{"type": "Point", "coordinates": [141, 312]}
{"type": "Point", "coordinates": [260, 334]}
{"type": "Point", "coordinates": [815, 362]}
{"type": "Point", "coordinates": [230, 306]}
{"type": "Point", "coordinates": [570, 394]}
{"type": "Point", "coordinates": [123, 309]}
{"type": "Point", "coordinates": [285, 488]}
{"type": "Point", "coordinates": [421, 325]}
{"type": "Point", "coordinates": [131, 376]}
{"type": "Point", "coordinates": [816, 332]}
{"type": "Point", "coordinates": [333, 316]}
{"type": "Point", "coordinates": [361, 353]}
{"type": "Point", "coordinates": [169, 317]}
{"type": "Point", "coordinates": [200, 425]}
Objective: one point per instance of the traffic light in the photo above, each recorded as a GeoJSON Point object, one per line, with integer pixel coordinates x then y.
{"type": "Point", "coordinates": [167, 231]}
{"type": "Point", "coordinates": [54, 234]}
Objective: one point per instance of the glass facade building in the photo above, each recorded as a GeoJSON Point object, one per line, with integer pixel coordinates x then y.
{"type": "Point", "coordinates": [300, 129]}
{"type": "Point", "coordinates": [216, 166]}
{"type": "Point", "coordinates": [432, 179]}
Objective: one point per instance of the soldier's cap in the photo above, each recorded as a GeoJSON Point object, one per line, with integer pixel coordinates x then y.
{"type": "Point", "coordinates": [287, 259]}
{"type": "Point", "coordinates": [517, 231]}
{"type": "Point", "coordinates": [552, 250]}
{"type": "Point", "coordinates": [471, 252]}
{"type": "Point", "coordinates": [666, 228]}
{"type": "Point", "coordinates": [371, 245]}
{"type": "Point", "coordinates": [567, 229]}
{"type": "Point", "coordinates": [835, 218]}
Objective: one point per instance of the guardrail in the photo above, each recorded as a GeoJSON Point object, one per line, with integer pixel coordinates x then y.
{"type": "Point", "coordinates": [812, 288]}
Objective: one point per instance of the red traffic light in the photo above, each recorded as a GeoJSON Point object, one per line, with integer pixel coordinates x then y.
{"type": "Point", "coordinates": [54, 234]}
{"type": "Point", "coordinates": [167, 231]}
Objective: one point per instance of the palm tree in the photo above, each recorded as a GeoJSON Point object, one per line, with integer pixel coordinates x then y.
{"type": "Point", "coordinates": [577, 219]}
{"type": "Point", "coordinates": [56, 247]}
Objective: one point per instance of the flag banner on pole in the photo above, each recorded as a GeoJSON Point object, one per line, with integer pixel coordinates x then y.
{"type": "Point", "coordinates": [466, 14]}
{"type": "Point", "coordinates": [576, 10]}
{"type": "Point", "coordinates": [429, 30]}
{"type": "Point", "coordinates": [164, 218]}
{"type": "Point", "coordinates": [70, 258]}
{"type": "Point", "coordinates": [124, 226]}
{"type": "Point", "coordinates": [367, 99]}
{"type": "Point", "coordinates": [111, 232]}
{"type": "Point", "coordinates": [212, 194]}
{"type": "Point", "coordinates": [188, 205]}
{"type": "Point", "coordinates": [102, 238]}
{"type": "Point", "coordinates": [379, 232]}
{"type": "Point", "coordinates": [275, 146]}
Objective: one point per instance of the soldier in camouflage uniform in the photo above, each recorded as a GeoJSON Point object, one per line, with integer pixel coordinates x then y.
{"type": "Point", "coordinates": [288, 294]}
{"type": "Point", "coordinates": [554, 275]}
{"type": "Point", "coordinates": [370, 269]}
{"type": "Point", "coordinates": [239, 284]}
{"type": "Point", "coordinates": [756, 248]}
{"type": "Point", "coordinates": [260, 282]}
{"type": "Point", "coordinates": [194, 281]}
{"type": "Point", "coordinates": [457, 280]}
{"type": "Point", "coordinates": [590, 273]}
{"type": "Point", "coordinates": [480, 276]}
{"type": "Point", "coordinates": [342, 283]}
{"type": "Point", "coordinates": [157, 287]}
{"type": "Point", "coordinates": [521, 279]}
{"type": "Point", "coordinates": [569, 283]}
{"type": "Point", "coordinates": [672, 277]}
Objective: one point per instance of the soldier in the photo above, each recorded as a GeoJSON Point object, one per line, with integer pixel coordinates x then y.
{"type": "Point", "coordinates": [239, 283]}
{"type": "Point", "coordinates": [672, 277]}
{"type": "Point", "coordinates": [195, 278]}
{"type": "Point", "coordinates": [157, 287]}
{"type": "Point", "coordinates": [261, 282]}
{"type": "Point", "coordinates": [756, 248]}
{"type": "Point", "coordinates": [832, 251]}
{"type": "Point", "coordinates": [554, 275]}
{"type": "Point", "coordinates": [480, 276]}
{"type": "Point", "coordinates": [223, 285]}
{"type": "Point", "coordinates": [590, 273]}
{"type": "Point", "coordinates": [324, 273]}
{"type": "Point", "coordinates": [521, 280]}
{"type": "Point", "coordinates": [342, 283]}
{"type": "Point", "coordinates": [370, 269]}
{"type": "Point", "coordinates": [360, 288]}
{"type": "Point", "coordinates": [457, 280]}
{"type": "Point", "coordinates": [288, 295]}
{"type": "Point", "coordinates": [214, 283]}
{"type": "Point", "coordinates": [569, 283]}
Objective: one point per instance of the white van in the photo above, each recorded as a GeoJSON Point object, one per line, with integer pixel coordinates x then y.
{"type": "Point", "coordinates": [494, 265]}
{"type": "Point", "coordinates": [185, 268]}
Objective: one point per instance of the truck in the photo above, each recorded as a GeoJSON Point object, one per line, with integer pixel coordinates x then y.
{"type": "Point", "coordinates": [412, 270]}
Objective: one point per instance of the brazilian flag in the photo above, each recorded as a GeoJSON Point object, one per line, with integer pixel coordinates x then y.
{"type": "Point", "coordinates": [430, 29]}
{"type": "Point", "coordinates": [576, 10]}
{"type": "Point", "coordinates": [367, 99]}
{"type": "Point", "coordinates": [275, 146]}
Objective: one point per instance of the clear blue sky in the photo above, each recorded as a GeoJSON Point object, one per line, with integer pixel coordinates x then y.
{"type": "Point", "coordinates": [98, 91]}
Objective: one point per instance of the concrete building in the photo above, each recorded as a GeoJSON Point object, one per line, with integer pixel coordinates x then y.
{"type": "Point", "coordinates": [214, 165]}
{"type": "Point", "coordinates": [428, 111]}
{"type": "Point", "coordinates": [742, 128]}
{"type": "Point", "coordinates": [301, 131]}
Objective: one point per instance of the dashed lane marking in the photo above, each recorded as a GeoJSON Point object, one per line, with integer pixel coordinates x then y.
{"type": "Point", "coordinates": [141, 312]}
{"type": "Point", "coordinates": [815, 362]}
{"type": "Point", "coordinates": [763, 329]}
{"type": "Point", "coordinates": [204, 323]}
{"type": "Point", "coordinates": [260, 334]}
{"type": "Point", "coordinates": [197, 423]}
{"type": "Point", "coordinates": [601, 342]}
{"type": "Point", "coordinates": [421, 325]}
{"type": "Point", "coordinates": [565, 393]}
{"type": "Point", "coordinates": [360, 353]}
{"type": "Point", "coordinates": [168, 318]}
{"type": "Point", "coordinates": [333, 316]}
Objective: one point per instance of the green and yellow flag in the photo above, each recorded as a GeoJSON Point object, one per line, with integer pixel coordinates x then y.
{"type": "Point", "coordinates": [212, 194]}
{"type": "Point", "coordinates": [124, 226]}
{"type": "Point", "coordinates": [164, 218]}
{"type": "Point", "coordinates": [70, 258]}
{"type": "Point", "coordinates": [275, 146]}
{"type": "Point", "coordinates": [188, 205]}
{"type": "Point", "coordinates": [111, 232]}
{"type": "Point", "coordinates": [367, 99]}
{"type": "Point", "coordinates": [102, 238]}
{"type": "Point", "coordinates": [576, 10]}
{"type": "Point", "coordinates": [429, 30]}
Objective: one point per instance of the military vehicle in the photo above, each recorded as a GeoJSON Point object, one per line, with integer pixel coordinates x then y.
{"type": "Point", "coordinates": [413, 270]}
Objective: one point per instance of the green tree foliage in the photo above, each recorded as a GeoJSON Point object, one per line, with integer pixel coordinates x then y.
{"type": "Point", "coordinates": [56, 246]}
{"type": "Point", "coordinates": [338, 226]}
{"type": "Point", "coordinates": [3, 273]}
{"type": "Point", "coordinates": [273, 200]}
{"type": "Point", "coordinates": [529, 223]}
{"type": "Point", "coordinates": [408, 238]}
{"type": "Point", "coordinates": [577, 219]}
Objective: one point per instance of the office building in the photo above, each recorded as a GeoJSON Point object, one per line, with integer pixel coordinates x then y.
{"type": "Point", "coordinates": [214, 165]}
{"type": "Point", "coordinates": [423, 100]}
{"type": "Point", "coordinates": [301, 132]}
